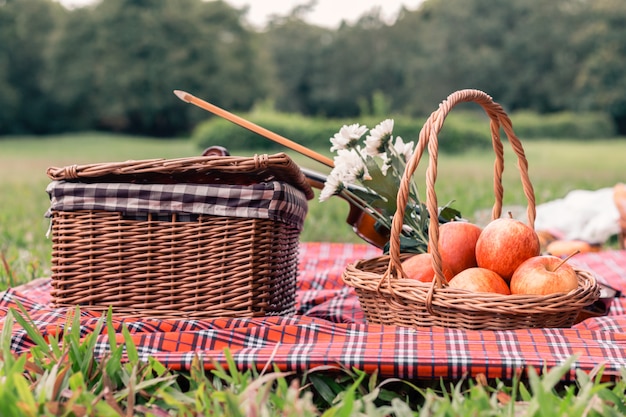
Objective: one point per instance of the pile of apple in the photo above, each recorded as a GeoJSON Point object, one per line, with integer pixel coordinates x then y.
{"type": "Point", "coordinates": [504, 257]}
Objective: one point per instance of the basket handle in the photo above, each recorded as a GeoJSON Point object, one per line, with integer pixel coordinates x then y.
{"type": "Point", "coordinates": [428, 137]}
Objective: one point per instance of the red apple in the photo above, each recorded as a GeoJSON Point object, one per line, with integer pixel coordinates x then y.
{"type": "Point", "coordinates": [457, 245]}
{"type": "Point", "coordinates": [420, 267]}
{"type": "Point", "coordinates": [542, 275]}
{"type": "Point", "coordinates": [480, 280]}
{"type": "Point", "coordinates": [504, 244]}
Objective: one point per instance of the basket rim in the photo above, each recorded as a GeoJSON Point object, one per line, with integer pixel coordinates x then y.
{"type": "Point", "coordinates": [414, 291]}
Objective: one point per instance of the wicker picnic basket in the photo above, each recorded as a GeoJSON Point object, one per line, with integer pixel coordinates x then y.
{"type": "Point", "coordinates": [198, 237]}
{"type": "Point", "coordinates": [387, 297]}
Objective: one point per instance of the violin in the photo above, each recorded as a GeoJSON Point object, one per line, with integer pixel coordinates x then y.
{"type": "Point", "coordinates": [363, 224]}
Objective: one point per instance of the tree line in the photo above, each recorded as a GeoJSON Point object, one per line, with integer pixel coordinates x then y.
{"type": "Point", "coordinates": [112, 66]}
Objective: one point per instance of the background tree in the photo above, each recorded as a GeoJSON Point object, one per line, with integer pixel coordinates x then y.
{"type": "Point", "coordinates": [126, 56]}
{"type": "Point", "coordinates": [25, 29]}
{"type": "Point", "coordinates": [294, 48]}
{"type": "Point", "coordinates": [113, 65]}
{"type": "Point", "coordinates": [600, 83]}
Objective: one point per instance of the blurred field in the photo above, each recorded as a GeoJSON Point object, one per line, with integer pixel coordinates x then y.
{"type": "Point", "coordinates": [556, 167]}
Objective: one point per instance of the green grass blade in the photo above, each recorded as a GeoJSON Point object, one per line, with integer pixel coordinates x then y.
{"type": "Point", "coordinates": [7, 338]}
{"type": "Point", "coordinates": [35, 335]}
{"type": "Point", "coordinates": [131, 349]}
{"type": "Point", "coordinates": [326, 387]}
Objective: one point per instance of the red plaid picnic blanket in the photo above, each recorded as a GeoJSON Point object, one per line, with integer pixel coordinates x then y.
{"type": "Point", "coordinates": [330, 330]}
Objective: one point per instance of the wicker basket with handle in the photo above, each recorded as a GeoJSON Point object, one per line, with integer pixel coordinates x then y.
{"type": "Point", "coordinates": [388, 297]}
{"type": "Point", "coordinates": [198, 237]}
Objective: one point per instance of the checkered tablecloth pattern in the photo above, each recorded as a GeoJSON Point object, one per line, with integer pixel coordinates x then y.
{"type": "Point", "coordinates": [330, 330]}
{"type": "Point", "coordinates": [274, 200]}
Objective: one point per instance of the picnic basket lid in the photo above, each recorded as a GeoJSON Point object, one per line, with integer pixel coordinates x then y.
{"type": "Point", "coordinates": [212, 169]}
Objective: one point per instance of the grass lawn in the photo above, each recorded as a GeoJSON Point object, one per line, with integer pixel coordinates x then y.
{"type": "Point", "coordinates": [63, 378]}
{"type": "Point", "coordinates": [555, 167]}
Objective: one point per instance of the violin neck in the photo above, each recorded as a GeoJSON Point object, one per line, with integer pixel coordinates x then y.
{"type": "Point", "coordinates": [317, 180]}
{"type": "Point", "coordinates": [314, 178]}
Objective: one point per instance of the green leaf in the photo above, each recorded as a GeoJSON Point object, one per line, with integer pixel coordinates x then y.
{"type": "Point", "coordinates": [157, 366]}
{"type": "Point", "coordinates": [556, 374]}
{"type": "Point", "coordinates": [408, 245]}
{"type": "Point", "coordinates": [7, 337]}
{"type": "Point", "coordinates": [386, 186]}
{"type": "Point", "coordinates": [447, 214]}
{"type": "Point", "coordinates": [110, 330]}
{"type": "Point", "coordinates": [610, 397]}
{"type": "Point", "coordinates": [24, 395]}
{"type": "Point", "coordinates": [346, 407]}
{"type": "Point", "coordinates": [35, 335]}
{"type": "Point", "coordinates": [326, 387]}
{"type": "Point", "coordinates": [131, 349]}
{"type": "Point", "coordinates": [525, 394]}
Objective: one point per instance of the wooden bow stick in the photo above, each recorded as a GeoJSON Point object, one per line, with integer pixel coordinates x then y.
{"type": "Point", "coordinates": [188, 98]}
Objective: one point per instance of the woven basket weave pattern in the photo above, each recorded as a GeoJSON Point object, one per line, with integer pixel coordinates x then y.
{"type": "Point", "coordinates": [388, 297]}
{"type": "Point", "coordinates": [200, 267]}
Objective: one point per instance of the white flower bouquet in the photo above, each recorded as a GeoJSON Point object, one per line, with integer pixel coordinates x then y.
{"type": "Point", "coordinates": [368, 175]}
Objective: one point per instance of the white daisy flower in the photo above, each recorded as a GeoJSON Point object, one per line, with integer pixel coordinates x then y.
{"type": "Point", "coordinates": [333, 185]}
{"type": "Point", "coordinates": [376, 141]}
{"type": "Point", "coordinates": [347, 137]}
{"type": "Point", "coordinates": [403, 149]}
{"type": "Point", "coordinates": [351, 165]}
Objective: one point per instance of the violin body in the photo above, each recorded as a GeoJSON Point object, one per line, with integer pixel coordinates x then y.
{"type": "Point", "coordinates": [364, 225]}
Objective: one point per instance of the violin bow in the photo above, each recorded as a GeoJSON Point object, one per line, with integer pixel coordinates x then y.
{"type": "Point", "coordinates": [189, 98]}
